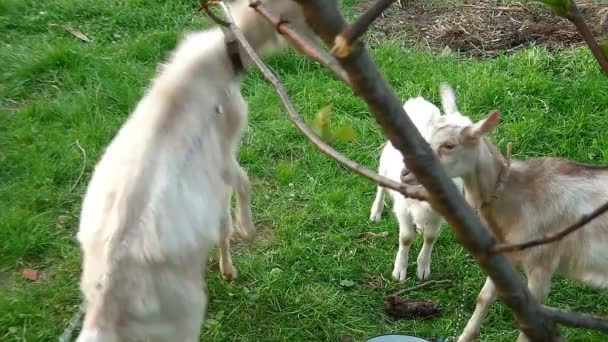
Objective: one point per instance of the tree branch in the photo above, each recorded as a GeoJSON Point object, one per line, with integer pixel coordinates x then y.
{"type": "Point", "coordinates": [343, 42]}
{"type": "Point", "coordinates": [569, 10]}
{"type": "Point", "coordinates": [511, 247]}
{"type": "Point", "coordinates": [576, 319]}
{"type": "Point", "coordinates": [408, 191]}
{"type": "Point", "coordinates": [306, 46]}
{"type": "Point", "coordinates": [575, 16]}
{"type": "Point", "coordinates": [327, 21]}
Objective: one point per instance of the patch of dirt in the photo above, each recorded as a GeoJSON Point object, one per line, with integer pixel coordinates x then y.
{"type": "Point", "coordinates": [480, 28]}
{"type": "Point", "coordinates": [398, 308]}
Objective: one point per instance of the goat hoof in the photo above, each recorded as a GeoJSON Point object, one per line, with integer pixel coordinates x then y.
{"type": "Point", "coordinates": [248, 236]}
{"type": "Point", "coordinates": [423, 274]}
{"type": "Point", "coordinates": [247, 231]}
{"type": "Point", "coordinates": [229, 275]}
{"type": "Point", "coordinates": [375, 218]}
{"type": "Point", "coordinates": [400, 275]}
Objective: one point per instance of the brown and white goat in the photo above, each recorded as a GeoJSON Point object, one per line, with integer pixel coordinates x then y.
{"type": "Point", "coordinates": [537, 197]}
{"type": "Point", "coordinates": [159, 198]}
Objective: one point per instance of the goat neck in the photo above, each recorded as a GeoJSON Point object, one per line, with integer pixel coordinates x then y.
{"type": "Point", "coordinates": [485, 183]}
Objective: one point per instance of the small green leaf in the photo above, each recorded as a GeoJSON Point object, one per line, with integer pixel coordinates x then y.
{"type": "Point", "coordinates": [276, 271]}
{"type": "Point", "coordinates": [320, 124]}
{"type": "Point", "coordinates": [323, 117]}
{"type": "Point", "coordinates": [347, 283]}
{"type": "Point", "coordinates": [211, 321]}
{"type": "Point", "coordinates": [345, 134]}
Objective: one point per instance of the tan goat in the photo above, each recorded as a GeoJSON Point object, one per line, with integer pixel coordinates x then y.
{"type": "Point", "coordinates": [538, 196]}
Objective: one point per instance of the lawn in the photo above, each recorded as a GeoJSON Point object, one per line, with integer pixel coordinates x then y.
{"type": "Point", "coordinates": [63, 99]}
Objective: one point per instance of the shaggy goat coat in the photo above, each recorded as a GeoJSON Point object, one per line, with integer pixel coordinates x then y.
{"type": "Point", "coordinates": [159, 198]}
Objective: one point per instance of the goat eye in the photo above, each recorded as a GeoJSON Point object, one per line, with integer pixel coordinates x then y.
{"type": "Point", "coordinates": [448, 146]}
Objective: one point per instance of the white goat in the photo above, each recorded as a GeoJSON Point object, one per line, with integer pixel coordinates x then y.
{"type": "Point", "coordinates": [537, 197]}
{"type": "Point", "coordinates": [159, 198]}
{"type": "Point", "coordinates": [410, 212]}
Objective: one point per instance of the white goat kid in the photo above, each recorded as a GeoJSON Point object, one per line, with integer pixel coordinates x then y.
{"type": "Point", "coordinates": [159, 198]}
{"type": "Point", "coordinates": [536, 197]}
{"type": "Point", "coordinates": [410, 213]}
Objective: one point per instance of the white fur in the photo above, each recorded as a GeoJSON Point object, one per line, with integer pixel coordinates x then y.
{"type": "Point", "coordinates": [410, 212]}
{"type": "Point", "coordinates": [159, 198]}
{"type": "Point", "coordinates": [540, 196]}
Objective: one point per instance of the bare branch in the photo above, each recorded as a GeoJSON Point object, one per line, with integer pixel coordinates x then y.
{"type": "Point", "coordinates": [508, 247]}
{"type": "Point", "coordinates": [576, 319]}
{"type": "Point", "coordinates": [409, 191]}
{"type": "Point", "coordinates": [343, 42]}
{"type": "Point", "coordinates": [575, 16]}
{"type": "Point", "coordinates": [327, 21]}
{"type": "Point", "coordinates": [306, 46]}
{"type": "Point", "coordinates": [569, 10]}
{"type": "Point", "coordinates": [204, 7]}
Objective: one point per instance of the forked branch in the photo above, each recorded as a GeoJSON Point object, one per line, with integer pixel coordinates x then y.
{"type": "Point", "coordinates": [412, 192]}
{"type": "Point", "coordinates": [303, 44]}
{"type": "Point", "coordinates": [344, 41]}
{"type": "Point", "coordinates": [511, 247]}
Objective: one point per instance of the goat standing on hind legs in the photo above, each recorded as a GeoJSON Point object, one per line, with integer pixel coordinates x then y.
{"type": "Point", "coordinates": [527, 201]}
{"type": "Point", "coordinates": [159, 198]}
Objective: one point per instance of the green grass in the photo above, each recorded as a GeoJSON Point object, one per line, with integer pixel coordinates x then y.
{"type": "Point", "coordinates": [56, 90]}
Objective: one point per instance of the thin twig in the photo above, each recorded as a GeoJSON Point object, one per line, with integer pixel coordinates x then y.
{"type": "Point", "coordinates": [508, 247]}
{"type": "Point", "coordinates": [84, 165]}
{"type": "Point", "coordinates": [409, 191]}
{"type": "Point", "coordinates": [204, 6]}
{"type": "Point", "coordinates": [305, 45]}
{"type": "Point", "coordinates": [576, 319]}
{"type": "Point", "coordinates": [421, 286]}
{"type": "Point", "coordinates": [74, 324]}
{"type": "Point", "coordinates": [344, 41]}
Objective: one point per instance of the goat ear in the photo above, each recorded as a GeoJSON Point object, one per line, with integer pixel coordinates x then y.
{"type": "Point", "coordinates": [483, 127]}
{"type": "Point", "coordinates": [448, 99]}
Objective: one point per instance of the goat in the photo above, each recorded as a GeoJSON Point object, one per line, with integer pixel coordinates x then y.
{"type": "Point", "coordinates": [159, 198]}
{"type": "Point", "coordinates": [533, 198]}
{"type": "Point", "coordinates": [410, 212]}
